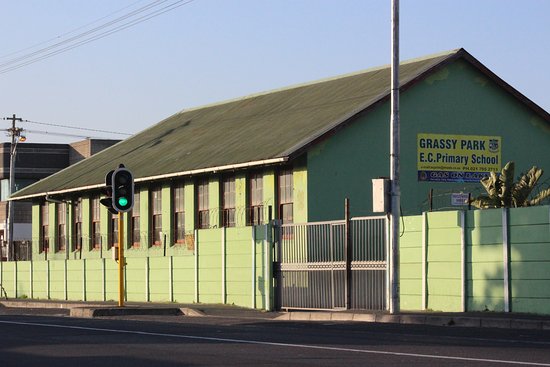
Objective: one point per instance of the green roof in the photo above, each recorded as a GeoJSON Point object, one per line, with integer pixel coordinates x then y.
{"type": "Point", "coordinates": [258, 129]}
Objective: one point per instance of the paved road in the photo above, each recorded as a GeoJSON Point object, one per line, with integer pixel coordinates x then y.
{"type": "Point", "coordinates": [57, 340]}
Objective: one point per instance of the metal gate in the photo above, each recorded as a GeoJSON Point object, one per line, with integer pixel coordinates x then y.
{"type": "Point", "coordinates": [332, 265]}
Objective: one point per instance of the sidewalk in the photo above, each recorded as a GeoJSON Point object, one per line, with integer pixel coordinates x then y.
{"type": "Point", "coordinates": [467, 319]}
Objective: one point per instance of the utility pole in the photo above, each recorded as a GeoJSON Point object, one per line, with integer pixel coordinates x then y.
{"type": "Point", "coordinates": [15, 133]}
{"type": "Point", "coordinates": [394, 163]}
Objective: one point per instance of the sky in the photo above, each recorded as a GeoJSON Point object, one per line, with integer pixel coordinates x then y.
{"type": "Point", "coordinates": [208, 51]}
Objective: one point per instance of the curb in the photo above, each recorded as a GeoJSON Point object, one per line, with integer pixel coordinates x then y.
{"type": "Point", "coordinates": [90, 312]}
{"type": "Point", "coordinates": [39, 304]}
{"type": "Point", "coordinates": [430, 320]}
{"type": "Point", "coordinates": [99, 310]}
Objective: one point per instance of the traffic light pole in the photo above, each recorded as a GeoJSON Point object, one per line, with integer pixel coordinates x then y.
{"type": "Point", "coordinates": [121, 261]}
{"type": "Point", "coordinates": [119, 187]}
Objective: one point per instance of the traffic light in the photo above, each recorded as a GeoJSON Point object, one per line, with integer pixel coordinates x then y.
{"type": "Point", "coordinates": [108, 201]}
{"type": "Point", "coordinates": [123, 189]}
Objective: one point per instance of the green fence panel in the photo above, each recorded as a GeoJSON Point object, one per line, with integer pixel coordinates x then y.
{"type": "Point", "coordinates": [8, 278]}
{"type": "Point", "coordinates": [183, 273]}
{"type": "Point", "coordinates": [444, 261]}
{"type": "Point", "coordinates": [410, 263]}
{"type": "Point", "coordinates": [159, 279]}
{"type": "Point", "coordinates": [239, 266]}
{"type": "Point", "coordinates": [40, 279]}
{"type": "Point", "coordinates": [111, 280]}
{"type": "Point", "coordinates": [57, 279]}
{"type": "Point", "coordinates": [260, 266]}
{"type": "Point", "coordinates": [135, 283]}
{"type": "Point", "coordinates": [94, 280]}
{"type": "Point", "coordinates": [530, 259]}
{"type": "Point", "coordinates": [485, 295]}
{"type": "Point", "coordinates": [24, 289]}
{"type": "Point", "coordinates": [210, 265]}
{"type": "Point", "coordinates": [75, 280]}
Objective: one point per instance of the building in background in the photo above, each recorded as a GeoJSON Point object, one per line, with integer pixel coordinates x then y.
{"type": "Point", "coordinates": [33, 162]}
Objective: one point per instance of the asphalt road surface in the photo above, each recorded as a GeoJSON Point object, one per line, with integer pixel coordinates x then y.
{"type": "Point", "coordinates": [50, 338]}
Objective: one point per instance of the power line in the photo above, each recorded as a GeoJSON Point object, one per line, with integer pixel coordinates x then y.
{"type": "Point", "coordinates": [77, 128]}
{"type": "Point", "coordinates": [68, 32]}
{"type": "Point", "coordinates": [22, 61]}
{"type": "Point", "coordinates": [41, 132]}
{"type": "Point", "coordinates": [78, 36]}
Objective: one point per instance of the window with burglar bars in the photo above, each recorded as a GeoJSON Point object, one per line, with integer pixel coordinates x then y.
{"type": "Point", "coordinates": [77, 220]}
{"type": "Point", "coordinates": [228, 201]}
{"type": "Point", "coordinates": [156, 216]}
{"type": "Point", "coordinates": [134, 223]}
{"type": "Point", "coordinates": [44, 227]}
{"type": "Point", "coordinates": [202, 204]}
{"type": "Point", "coordinates": [179, 213]}
{"type": "Point", "coordinates": [96, 227]}
{"type": "Point", "coordinates": [255, 199]}
{"type": "Point", "coordinates": [285, 196]}
{"type": "Point", "coordinates": [61, 226]}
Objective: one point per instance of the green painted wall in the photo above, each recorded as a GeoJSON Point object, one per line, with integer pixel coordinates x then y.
{"type": "Point", "coordinates": [240, 199]}
{"type": "Point", "coordinates": [529, 261]}
{"type": "Point", "coordinates": [209, 262]}
{"type": "Point", "coordinates": [270, 193]}
{"type": "Point", "coordinates": [214, 201]}
{"type": "Point", "coordinates": [410, 263]}
{"type": "Point", "coordinates": [218, 270]}
{"type": "Point", "coordinates": [484, 260]}
{"type": "Point", "coordinates": [167, 217]}
{"type": "Point", "coordinates": [300, 190]}
{"type": "Point", "coordinates": [233, 265]}
{"type": "Point", "coordinates": [189, 204]}
{"type": "Point", "coordinates": [443, 259]}
{"type": "Point", "coordinates": [86, 227]}
{"type": "Point", "coordinates": [35, 211]}
{"type": "Point", "coordinates": [456, 100]}
{"type": "Point", "coordinates": [343, 166]}
{"type": "Point", "coordinates": [169, 248]}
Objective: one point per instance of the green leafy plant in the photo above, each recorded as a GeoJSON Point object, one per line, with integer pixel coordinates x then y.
{"type": "Point", "coordinates": [502, 192]}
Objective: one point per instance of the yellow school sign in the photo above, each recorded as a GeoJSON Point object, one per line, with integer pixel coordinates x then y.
{"type": "Point", "coordinates": [457, 158]}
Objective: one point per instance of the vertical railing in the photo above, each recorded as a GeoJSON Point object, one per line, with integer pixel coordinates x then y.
{"type": "Point", "coordinates": [331, 265]}
{"type": "Point", "coordinates": [369, 263]}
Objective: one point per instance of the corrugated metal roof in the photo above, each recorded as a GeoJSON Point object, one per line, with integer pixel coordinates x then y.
{"type": "Point", "coordinates": [268, 126]}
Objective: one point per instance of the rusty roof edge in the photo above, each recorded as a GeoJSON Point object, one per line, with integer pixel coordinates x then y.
{"type": "Point", "coordinates": [263, 162]}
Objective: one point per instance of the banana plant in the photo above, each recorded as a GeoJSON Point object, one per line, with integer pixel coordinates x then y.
{"type": "Point", "coordinates": [502, 192]}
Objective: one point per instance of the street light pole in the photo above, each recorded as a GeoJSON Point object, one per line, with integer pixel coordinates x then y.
{"type": "Point", "coordinates": [15, 133]}
{"type": "Point", "coordinates": [394, 163]}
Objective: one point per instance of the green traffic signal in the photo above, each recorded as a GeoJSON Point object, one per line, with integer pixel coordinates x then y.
{"type": "Point", "coordinates": [122, 183]}
{"type": "Point", "coordinates": [122, 201]}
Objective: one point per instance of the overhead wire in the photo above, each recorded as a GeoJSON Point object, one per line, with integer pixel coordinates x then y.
{"type": "Point", "coordinates": [76, 128]}
{"type": "Point", "coordinates": [68, 32]}
{"type": "Point", "coordinates": [42, 132]}
{"type": "Point", "coordinates": [5, 68]}
{"type": "Point", "coordinates": [83, 34]}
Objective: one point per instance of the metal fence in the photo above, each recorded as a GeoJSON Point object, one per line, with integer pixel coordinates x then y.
{"type": "Point", "coordinates": [332, 265]}
{"type": "Point", "coordinates": [22, 251]}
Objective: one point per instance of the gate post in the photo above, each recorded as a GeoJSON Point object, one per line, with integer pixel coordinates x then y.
{"type": "Point", "coordinates": [276, 260]}
{"type": "Point", "coordinates": [347, 254]}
